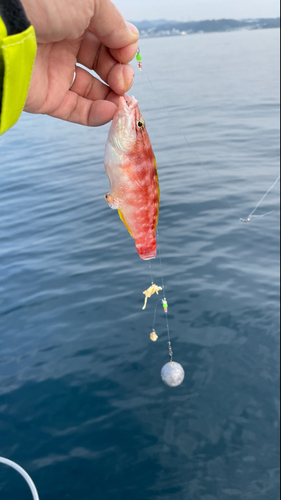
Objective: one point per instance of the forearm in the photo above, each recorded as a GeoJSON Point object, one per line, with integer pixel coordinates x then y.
{"type": "Point", "coordinates": [17, 56]}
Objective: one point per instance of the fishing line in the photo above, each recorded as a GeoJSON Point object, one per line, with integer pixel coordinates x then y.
{"type": "Point", "coordinates": [251, 216]}
{"type": "Point", "coordinates": [150, 271]}
{"type": "Point", "coordinates": [172, 373]}
{"type": "Point", "coordinates": [155, 311]}
{"type": "Point", "coordinates": [164, 300]}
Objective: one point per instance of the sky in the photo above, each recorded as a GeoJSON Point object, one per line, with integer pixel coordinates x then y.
{"type": "Point", "coordinates": [194, 10]}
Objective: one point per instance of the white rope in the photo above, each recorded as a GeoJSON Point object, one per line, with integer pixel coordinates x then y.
{"type": "Point", "coordinates": [24, 474]}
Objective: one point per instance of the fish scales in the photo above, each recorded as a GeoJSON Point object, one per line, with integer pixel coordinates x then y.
{"type": "Point", "coordinates": [132, 171]}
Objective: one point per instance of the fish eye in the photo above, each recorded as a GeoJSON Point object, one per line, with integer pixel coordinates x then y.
{"type": "Point", "coordinates": [141, 123]}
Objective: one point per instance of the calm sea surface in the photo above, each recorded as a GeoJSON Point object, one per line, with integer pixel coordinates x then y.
{"type": "Point", "coordinates": [82, 405]}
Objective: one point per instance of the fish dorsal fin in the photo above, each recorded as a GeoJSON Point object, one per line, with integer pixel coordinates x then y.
{"type": "Point", "coordinates": [124, 222]}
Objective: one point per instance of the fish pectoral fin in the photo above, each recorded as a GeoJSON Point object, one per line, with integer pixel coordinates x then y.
{"type": "Point", "coordinates": [111, 202]}
{"type": "Point", "coordinates": [124, 222]}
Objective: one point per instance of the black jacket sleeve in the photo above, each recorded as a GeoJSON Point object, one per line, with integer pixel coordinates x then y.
{"type": "Point", "coordinates": [13, 16]}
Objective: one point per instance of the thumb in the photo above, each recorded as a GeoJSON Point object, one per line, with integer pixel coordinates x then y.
{"type": "Point", "coordinates": [110, 27]}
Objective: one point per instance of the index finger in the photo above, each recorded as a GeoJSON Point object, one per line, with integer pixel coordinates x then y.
{"type": "Point", "coordinates": [110, 27]}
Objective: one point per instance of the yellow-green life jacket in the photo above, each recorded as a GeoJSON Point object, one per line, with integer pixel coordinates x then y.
{"type": "Point", "coordinates": [17, 55]}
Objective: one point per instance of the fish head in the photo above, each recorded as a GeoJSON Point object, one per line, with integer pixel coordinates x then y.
{"type": "Point", "coordinates": [128, 126]}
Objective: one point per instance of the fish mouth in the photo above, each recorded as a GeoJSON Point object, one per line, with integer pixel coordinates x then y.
{"type": "Point", "coordinates": [128, 103]}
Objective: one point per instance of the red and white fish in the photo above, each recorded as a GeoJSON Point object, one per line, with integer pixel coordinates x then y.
{"type": "Point", "coordinates": [132, 171]}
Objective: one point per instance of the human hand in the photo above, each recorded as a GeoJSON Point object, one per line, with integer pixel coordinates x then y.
{"type": "Point", "coordinates": [92, 33]}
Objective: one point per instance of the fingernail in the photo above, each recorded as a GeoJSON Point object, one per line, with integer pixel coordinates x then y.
{"type": "Point", "coordinates": [132, 28]}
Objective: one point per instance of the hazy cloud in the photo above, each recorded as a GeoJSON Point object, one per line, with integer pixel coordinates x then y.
{"type": "Point", "coordinates": [187, 10]}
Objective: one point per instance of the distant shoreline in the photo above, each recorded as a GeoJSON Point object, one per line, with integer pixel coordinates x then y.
{"type": "Point", "coordinates": [164, 28]}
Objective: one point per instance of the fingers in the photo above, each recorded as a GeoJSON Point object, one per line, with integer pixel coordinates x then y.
{"type": "Point", "coordinates": [90, 102]}
{"type": "Point", "coordinates": [94, 55]}
{"type": "Point", "coordinates": [126, 54]}
{"type": "Point", "coordinates": [92, 50]}
{"type": "Point", "coordinates": [77, 109]}
{"type": "Point", "coordinates": [110, 27]}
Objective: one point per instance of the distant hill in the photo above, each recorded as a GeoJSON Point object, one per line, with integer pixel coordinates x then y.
{"type": "Point", "coordinates": [163, 27]}
{"type": "Point", "coordinates": [146, 25]}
